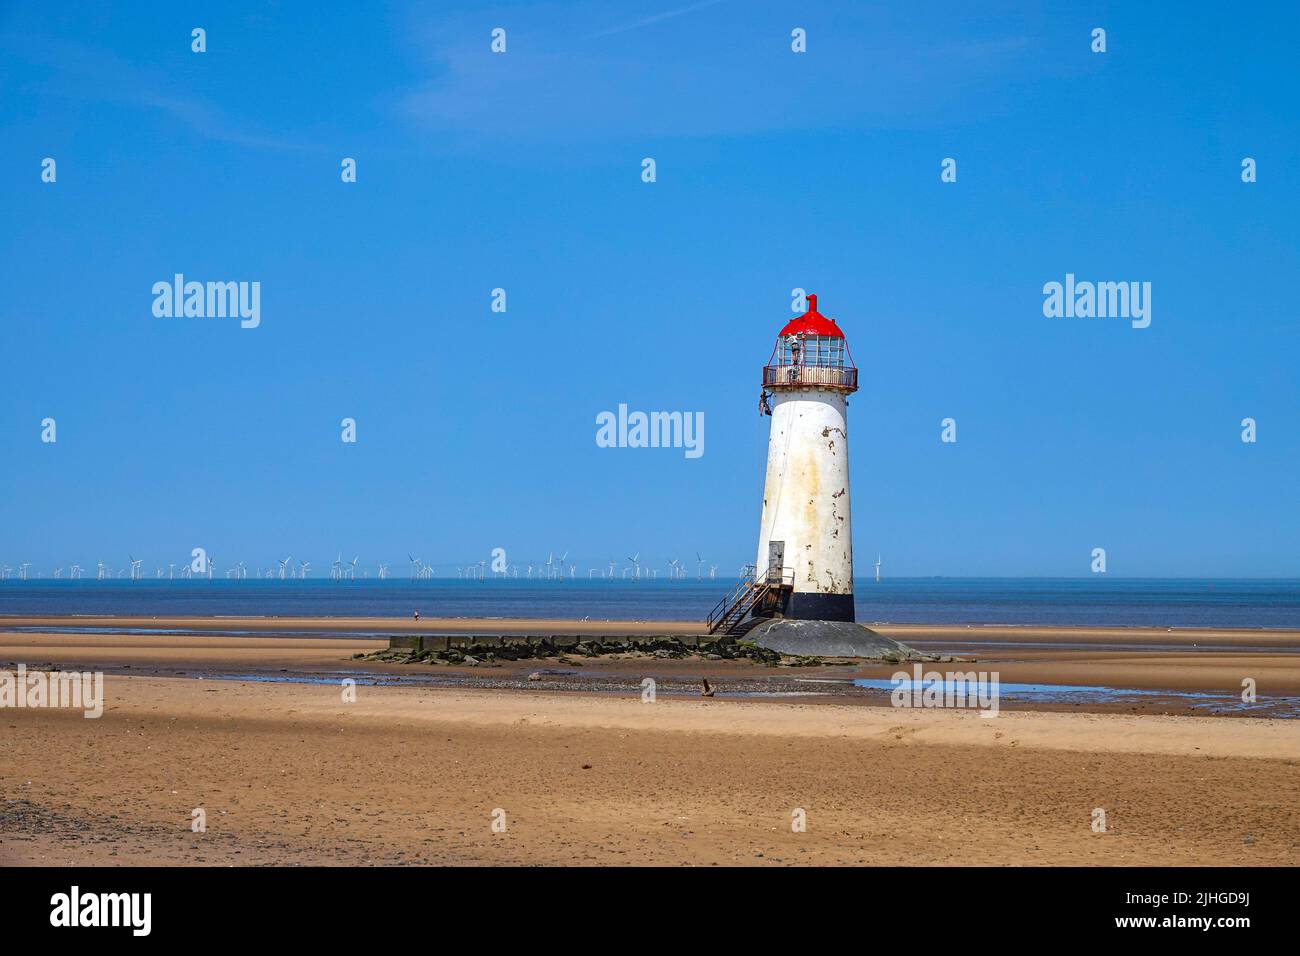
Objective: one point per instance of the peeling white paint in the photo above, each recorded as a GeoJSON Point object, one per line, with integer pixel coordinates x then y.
{"type": "Point", "coordinates": [806, 496]}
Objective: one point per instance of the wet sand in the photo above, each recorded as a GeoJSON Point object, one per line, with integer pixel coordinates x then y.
{"type": "Point", "coordinates": [976, 637]}
{"type": "Point", "coordinates": [1182, 661]}
{"type": "Point", "coordinates": [289, 773]}
{"type": "Point", "coordinates": [993, 634]}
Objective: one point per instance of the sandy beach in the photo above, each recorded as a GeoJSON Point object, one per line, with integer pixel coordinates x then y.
{"type": "Point", "coordinates": [255, 732]}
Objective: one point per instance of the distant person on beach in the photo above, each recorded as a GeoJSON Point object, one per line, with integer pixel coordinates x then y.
{"type": "Point", "coordinates": [417, 613]}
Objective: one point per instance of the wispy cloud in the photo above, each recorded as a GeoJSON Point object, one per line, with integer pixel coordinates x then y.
{"type": "Point", "coordinates": [657, 18]}
{"type": "Point", "coordinates": [707, 72]}
{"type": "Point", "coordinates": [86, 73]}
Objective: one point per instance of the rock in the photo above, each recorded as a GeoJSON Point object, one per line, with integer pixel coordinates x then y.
{"type": "Point", "coordinates": [798, 638]}
{"type": "Point", "coordinates": [472, 661]}
{"type": "Point", "coordinates": [760, 654]}
{"type": "Point", "coordinates": [535, 675]}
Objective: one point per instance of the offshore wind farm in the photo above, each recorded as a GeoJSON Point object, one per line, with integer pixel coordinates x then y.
{"type": "Point", "coordinates": [552, 569]}
{"type": "Point", "coordinates": [290, 568]}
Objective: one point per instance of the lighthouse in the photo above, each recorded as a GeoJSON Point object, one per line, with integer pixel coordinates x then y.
{"type": "Point", "coordinates": [805, 538]}
{"type": "Point", "coordinates": [797, 599]}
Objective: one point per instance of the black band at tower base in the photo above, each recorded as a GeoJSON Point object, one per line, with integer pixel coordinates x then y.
{"type": "Point", "coordinates": [809, 606]}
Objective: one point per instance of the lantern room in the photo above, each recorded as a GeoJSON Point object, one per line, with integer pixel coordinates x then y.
{"type": "Point", "coordinates": [811, 352]}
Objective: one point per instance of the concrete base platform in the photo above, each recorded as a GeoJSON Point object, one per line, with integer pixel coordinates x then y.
{"type": "Point", "coordinates": [829, 639]}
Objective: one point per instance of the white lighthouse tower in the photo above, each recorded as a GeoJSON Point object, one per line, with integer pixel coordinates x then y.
{"type": "Point", "coordinates": [805, 540]}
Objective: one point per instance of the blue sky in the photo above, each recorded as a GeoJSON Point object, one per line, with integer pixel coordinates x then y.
{"type": "Point", "coordinates": [522, 170]}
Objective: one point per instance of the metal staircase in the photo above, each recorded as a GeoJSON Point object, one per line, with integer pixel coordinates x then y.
{"type": "Point", "coordinates": [730, 614]}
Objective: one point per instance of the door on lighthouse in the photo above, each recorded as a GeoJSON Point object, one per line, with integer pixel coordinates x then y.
{"type": "Point", "coordinates": [775, 559]}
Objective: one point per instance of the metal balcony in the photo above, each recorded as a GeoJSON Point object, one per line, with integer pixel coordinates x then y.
{"type": "Point", "coordinates": [820, 376]}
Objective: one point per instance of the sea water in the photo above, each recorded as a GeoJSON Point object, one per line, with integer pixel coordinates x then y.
{"type": "Point", "coordinates": [1092, 601]}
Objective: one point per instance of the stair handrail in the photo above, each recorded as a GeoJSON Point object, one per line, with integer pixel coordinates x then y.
{"type": "Point", "coordinates": [778, 574]}
{"type": "Point", "coordinates": [723, 608]}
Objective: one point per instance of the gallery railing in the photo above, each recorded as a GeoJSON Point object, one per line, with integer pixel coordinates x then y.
{"type": "Point", "coordinates": [823, 376]}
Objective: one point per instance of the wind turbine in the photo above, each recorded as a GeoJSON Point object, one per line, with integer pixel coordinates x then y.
{"type": "Point", "coordinates": [352, 568]}
{"type": "Point", "coordinates": [672, 569]}
{"type": "Point", "coordinates": [636, 564]}
{"type": "Point", "coordinates": [75, 571]}
{"type": "Point", "coordinates": [58, 573]}
{"type": "Point", "coordinates": [284, 564]}
{"type": "Point", "coordinates": [135, 569]}
{"type": "Point", "coordinates": [877, 569]}
{"type": "Point", "coordinates": [416, 566]}
{"type": "Point", "coordinates": [612, 563]}
{"type": "Point", "coordinates": [383, 572]}
{"type": "Point", "coordinates": [22, 570]}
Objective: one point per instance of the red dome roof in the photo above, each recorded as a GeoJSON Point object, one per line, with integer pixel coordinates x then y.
{"type": "Point", "coordinates": [812, 322]}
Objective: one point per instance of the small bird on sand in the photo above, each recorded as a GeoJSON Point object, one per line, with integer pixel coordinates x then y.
{"type": "Point", "coordinates": [707, 689]}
